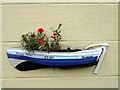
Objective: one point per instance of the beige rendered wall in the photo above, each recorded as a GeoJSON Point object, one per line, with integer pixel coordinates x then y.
{"type": "Point", "coordinates": [0, 46]}
{"type": "Point", "coordinates": [83, 24]}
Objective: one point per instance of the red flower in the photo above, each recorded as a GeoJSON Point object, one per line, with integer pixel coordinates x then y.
{"type": "Point", "coordinates": [40, 30]}
{"type": "Point", "coordinates": [42, 41]}
{"type": "Point", "coordinates": [53, 36]}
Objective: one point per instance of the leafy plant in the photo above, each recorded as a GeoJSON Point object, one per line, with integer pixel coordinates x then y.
{"type": "Point", "coordinates": [54, 45]}
{"type": "Point", "coordinates": [29, 42]}
{"type": "Point", "coordinates": [32, 41]}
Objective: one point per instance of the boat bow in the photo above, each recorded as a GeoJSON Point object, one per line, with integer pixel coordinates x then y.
{"type": "Point", "coordinates": [100, 58]}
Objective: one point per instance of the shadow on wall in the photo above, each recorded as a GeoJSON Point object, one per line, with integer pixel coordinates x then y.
{"type": "Point", "coordinates": [25, 66]}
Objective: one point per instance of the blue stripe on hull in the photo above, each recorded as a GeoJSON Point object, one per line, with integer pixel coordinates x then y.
{"type": "Point", "coordinates": [56, 62]}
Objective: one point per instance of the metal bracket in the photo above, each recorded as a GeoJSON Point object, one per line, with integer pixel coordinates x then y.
{"type": "Point", "coordinates": [100, 59]}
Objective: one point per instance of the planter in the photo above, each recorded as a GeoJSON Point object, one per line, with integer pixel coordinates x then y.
{"type": "Point", "coordinates": [90, 54]}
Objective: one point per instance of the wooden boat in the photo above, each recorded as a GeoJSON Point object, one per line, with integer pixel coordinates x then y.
{"type": "Point", "coordinates": [90, 54]}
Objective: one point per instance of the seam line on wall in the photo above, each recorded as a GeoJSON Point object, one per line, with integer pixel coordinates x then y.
{"type": "Point", "coordinates": [10, 3]}
{"type": "Point", "coordinates": [65, 41]}
{"type": "Point", "coordinates": [58, 77]}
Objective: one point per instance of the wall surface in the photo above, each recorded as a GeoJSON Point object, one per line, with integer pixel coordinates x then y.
{"type": "Point", "coordinates": [0, 46]}
{"type": "Point", "coordinates": [83, 24]}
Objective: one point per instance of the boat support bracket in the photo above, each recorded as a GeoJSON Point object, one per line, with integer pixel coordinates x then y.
{"type": "Point", "coordinates": [100, 59]}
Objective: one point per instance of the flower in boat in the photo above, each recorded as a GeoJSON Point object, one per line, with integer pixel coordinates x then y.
{"type": "Point", "coordinates": [41, 40]}
{"type": "Point", "coordinates": [32, 41]}
{"type": "Point", "coordinates": [40, 30]}
{"type": "Point", "coordinates": [53, 36]}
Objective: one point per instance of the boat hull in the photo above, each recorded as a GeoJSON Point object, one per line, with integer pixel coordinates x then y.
{"type": "Point", "coordinates": [56, 62]}
{"type": "Point", "coordinates": [56, 59]}
{"type": "Point", "coordinates": [23, 60]}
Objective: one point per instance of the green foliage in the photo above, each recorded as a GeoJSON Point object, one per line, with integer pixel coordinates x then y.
{"type": "Point", "coordinates": [32, 41]}
{"type": "Point", "coordinates": [29, 42]}
{"type": "Point", "coordinates": [54, 45]}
